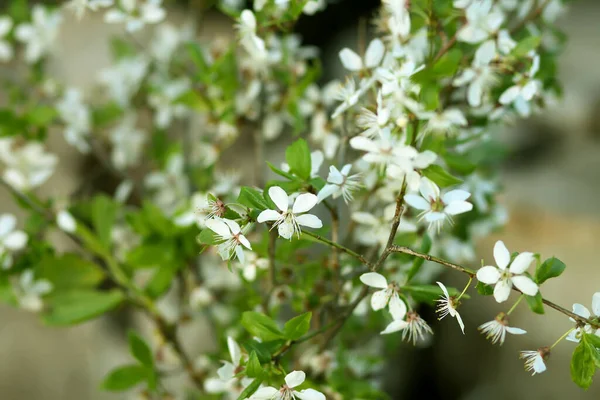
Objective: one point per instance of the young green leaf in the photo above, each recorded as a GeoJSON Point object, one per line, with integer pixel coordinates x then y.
{"type": "Point", "coordinates": [440, 176]}
{"type": "Point", "coordinates": [298, 158]}
{"type": "Point", "coordinates": [75, 306]}
{"type": "Point", "coordinates": [583, 363]}
{"type": "Point", "coordinates": [104, 211]}
{"type": "Point", "coordinates": [68, 271]}
{"type": "Point", "coordinates": [140, 350]}
{"type": "Point", "coordinates": [297, 327]}
{"type": "Point", "coordinates": [551, 268]}
{"type": "Point", "coordinates": [261, 326]}
{"type": "Point", "coordinates": [253, 367]}
{"type": "Point", "coordinates": [535, 303]}
{"type": "Point", "coordinates": [125, 377]}
{"type": "Point", "coordinates": [252, 198]}
{"type": "Point", "coordinates": [250, 389]}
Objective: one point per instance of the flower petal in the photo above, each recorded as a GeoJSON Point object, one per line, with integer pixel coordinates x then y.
{"type": "Point", "coordinates": [521, 263]}
{"type": "Point", "coordinates": [15, 240]}
{"type": "Point", "coordinates": [458, 207]}
{"type": "Point", "coordinates": [244, 241]}
{"type": "Point", "coordinates": [489, 275]}
{"type": "Point", "coordinates": [417, 202]}
{"type": "Point", "coordinates": [397, 307]}
{"type": "Point", "coordinates": [233, 226]}
{"type": "Point", "coordinates": [285, 230]}
{"type": "Point", "coordinates": [443, 287]}
{"type": "Point", "coordinates": [219, 227]}
{"type": "Point", "coordinates": [379, 299]}
{"type": "Point", "coordinates": [501, 255]}
{"type": "Point", "coordinates": [581, 310]}
{"type": "Point", "coordinates": [279, 197]}
{"type": "Point", "coordinates": [395, 326]}
{"type": "Point", "coordinates": [295, 378]}
{"type": "Point", "coordinates": [8, 222]}
{"type": "Point", "coordinates": [460, 322]}
{"type": "Point", "coordinates": [312, 221]}
{"type": "Point", "coordinates": [374, 279]}
{"type": "Point", "coordinates": [351, 60]}
{"type": "Point", "coordinates": [525, 285]}
{"type": "Point", "coordinates": [265, 393]}
{"type": "Point", "coordinates": [304, 202]}
{"type": "Point", "coordinates": [502, 290]}
{"type": "Point", "coordinates": [596, 303]}
{"type": "Point", "coordinates": [374, 53]}
{"type": "Point", "coordinates": [515, 331]}
{"type": "Point", "coordinates": [327, 191]}
{"type": "Point", "coordinates": [268, 215]}
{"type": "Point", "coordinates": [309, 394]}
{"type": "Point", "coordinates": [429, 190]}
{"type": "Point", "coordinates": [234, 351]}
{"type": "Point", "coordinates": [455, 195]}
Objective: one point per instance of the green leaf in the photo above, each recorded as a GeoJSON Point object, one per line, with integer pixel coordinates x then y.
{"type": "Point", "coordinates": [68, 271]}
{"type": "Point", "coordinates": [140, 350]}
{"type": "Point", "coordinates": [525, 46]}
{"type": "Point", "coordinates": [430, 96]}
{"type": "Point", "coordinates": [125, 377]}
{"type": "Point", "coordinates": [298, 158]}
{"type": "Point", "coordinates": [448, 64]}
{"type": "Point", "coordinates": [253, 367]}
{"type": "Point", "coordinates": [252, 198]}
{"type": "Point", "coordinates": [440, 176]}
{"type": "Point", "coordinates": [207, 236]}
{"type": "Point", "coordinates": [551, 268]}
{"type": "Point", "coordinates": [460, 163]}
{"type": "Point", "coordinates": [297, 327]}
{"type": "Point", "coordinates": [484, 290]}
{"type": "Point", "coordinates": [250, 389]}
{"type": "Point", "coordinates": [264, 350]}
{"type": "Point", "coordinates": [583, 363]}
{"type": "Point", "coordinates": [261, 326]}
{"type": "Point", "coordinates": [153, 253]}
{"type": "Point", "coordinates": [104, 212]}
{"type": "Point", "coordinates": [429, 293]}
{"type": "Point", "coordinates": [73, 307]}
{"type": "Point", "coordinates": [535, 303]}
{"type": "Point", "coordinates": [281, 172]}
{"type": "Point", "coordinates": [161, 280]}
{"type": "Point", "coordinates": [42, 115]}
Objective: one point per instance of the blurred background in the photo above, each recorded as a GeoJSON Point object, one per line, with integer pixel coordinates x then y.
{"type": "Point", "coordinates": [551, 187]}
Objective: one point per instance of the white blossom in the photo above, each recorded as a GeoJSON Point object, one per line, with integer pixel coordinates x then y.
{"type": "Point", "coordinates": [231, 234]}
{"type": "Point", "coordinates": [288, 220]}
{"type": "Point", "coordinates": [386, 296]}
{"type": "Point", "coordinates": [582, 311]}
{"type": "Point", "coordinates": [11, 239]}
{"type": "Point", "coordinates": [482, 21]}
{"type": "Point", "coordinates": [373, 57]}
{"type": "Point", "coordinates": [6, 50]}
{"type": "Point", "coordinates": [40, 34]}
{"type": "Point", "coordinates": [27, 166]}
{"type": "Point", "coordinates": [76, 116]}
{"type": "Point", "coordinates": [286, 391]}
{"type": "Point", "coordinates": [496, 330]}
{"type": "Point", "coordinates": [340, 183]}
{"type": "Point", "coordinates": [66, 221]}
{"type": "Point", "coordinates": [480, 76]}
{"type": "Point", "coordinates": [436, 208]}
{"type": "Point", "coordinates": [135, 16]}
{"type": "Point", "coordinates": [123, 79]}
{"type": "Point", "coordinates": [504, 277]}
{"type": "Point", "coordinates": [164, 102]}
{"type": "Point", "coordinates": [79, 7]}
{"type": "Point", "coordinates": [535, 360]}
{"type": "Point", "coordinates": [252, 264]}
{"type": "Point", "coordinates": [170, 186]}
{"type": "Point", "coordinates": [447, 306]}
{"type": "Point", "coordinates": [414, 328]}
{"type": "Point", "coordinates": [29, 292]}
{"type": "Point", "coordinates": [226, 381]}
{"type": "Point", "coordinates": [127, 143]}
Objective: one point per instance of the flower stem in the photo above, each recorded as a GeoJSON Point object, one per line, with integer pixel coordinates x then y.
{"type": "Point", "coordinates": [514, 306]}
{"type": "Point", "coordinates": [465, 289]}
{"type": "Point", "coordinates": [562, 337]}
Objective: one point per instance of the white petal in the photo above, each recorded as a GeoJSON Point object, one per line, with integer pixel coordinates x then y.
{"type": "Point", "coordinates": [395, 326]}
{"type": "Point", "coordinates": [525, 285]}
{"type": "Point", "coordinates": [268, 215]}
{"type": "Point", "coordinates": [310, 394]}
{"type": "Point", "coordinates": [417, 202]}
{"type": "Point", "coordinates": [312, 221]}
{"type": "Point", "coordinates": [364, 144]}
{"type": "Point", "coordinates": [244, 241]}
{"type": "Point", "coordinates": [66, 222]}
{"type": "Point", "coordinates": [219, 227]}
{"type": "Point", "coordinates": [397, 307]}
{"type": "Point", "coordinates": [510, 95]}
{"type": "Point", "coordinates": [429, 190]}
{"type": "Point", "coordinates": [351, 60]}
{"type": "Point", "coordinates": [458, 207]}
{"type": "Point", "coordinates": [374, 279]}
{"type": "Point", "coordinates": [489, 275]}
{"type": "Point", "coordinates": [279, 197]}
{"type": "Point", "coordinates": [15, 240]}
{"type": "Point", "coordinates": [485, 53]}
{"type": "Point", "coordinates": [502, 290]}
{"type": "Point", "coordinates": [515, 331]}
{"type": "Point", "coordinates": [8, 222]}
{"type": "Point", "coordinates": [501, 255]}
{"type": "Point", "coordinates": [379, 299]}
{"type": "Point", "coordinates": [304, 202]}
{"type": "Point", "coordinates": [234, 351]}
{"type": "Point", "coordinates": [374, 53]}
{"type": "Point", "coordinates": [233, 226]}
{"type": "Point", "coordinates": [596, 303]}
{"type": "Point", "coordinates": [460, 323]}
{"type": "Point", "coordinates": [285, 230]}
{"type": "Point", "coordinates": [474, 93]}
{"type": "Point", "coordinates": [424, 159]}
{"type": "Point", "coordinates": [539, 366]}
{"type": "Point", "coordinates": [266, 393]}
{"type": "Point", "coordinates": [327, 191]}
{"type": "Point", "coordinates": [521, 263]}
{"type": "Point", "coordinates": [295, 378]}
{"type": "Point", "coordinates": [581, 310]}
{"type": "Point", "coordinates": [443, 287]}
{"type": "Point", "coordinates": [455, 195]}
{"type": "Point", "coordinates": [335, 176]}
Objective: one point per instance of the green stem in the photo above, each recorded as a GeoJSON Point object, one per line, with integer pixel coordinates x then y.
{"type": "Point", "coordinates": [338, 246]}
{"type": "Point", "coordinates": [514, 306]}
{"type": "Point", "coordinates": [562, 337]}
{"type": "Point", "coordinates": [465, 289]}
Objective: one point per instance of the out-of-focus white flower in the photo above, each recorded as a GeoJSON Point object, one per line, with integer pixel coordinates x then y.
{"type": "Point", "coordinates": [480, 76]}
{"type": "Point", "coordinates": [375, 229]}
{"type": "Point", "coordinates": [287, 392]}
{"type": "Point", "coordinates": [6, 50]}
{"type": "Point", "coordinates": [582, 311]}
{"type": "Point", "coordinates": [29, 292]}
{"type": "Point", "coordinates": [167, 39]}
{"type": "Point", "coordinates": [371, 122]}
{"type": "Point", "coordinates": [504, 277]}
{"type": "Point", "coordinates": [535, 359]}
{"type": "Point", "coordinates": [226, 381]}
{"type": "Point", "coordinates": [65, 221]}
{"type": "Point", "coordinates": [252, 264]}
{"type": "Point", "coordinates": [446, 121]}
{"type": "Point", "coordinates": [373, 57]}
{"type": "Point", "coordinates": [40, 34]}
{"type": "Point", "coordinates": [482, 21]}
{"type": "Point", "coordinates": [200, 297]}
{"type": "Point", "coordinates": [27, 166]}
{"type": "Point", "coordinates": [288, 220]}
{"type": "Point", "coordinates": [314, 6]}
{"type": "Point", "coordinates": [76, 116]}
{"type": "Point", "coordinates": [170, 186]}
{"type": "Point", "coordinates": [135, 16]}
{"type": "Point", "coordinates": [230, 233]}
{"type": "Point", "coordinates": [349, 95]}
{"type": "Point", "coordinates": [254, 45]}
{"type": "Point", "coordinates": [447, 306]}
{"type": "Point", "coordinates": [11, 239]}
{"type": "Point", "coordinates": [163, 102]}
{"type": "Point", "coordinates": [496, 330]}
{"type": "Point", "coordinates": [123, 79]}
{"type": "Point", "coordinates": [79, 7]}
{"type": "Point", "coordinates": [340, 183]}
{"type": "Point", "coordinates": [437, 208]}
{"type": "Point", "coordinates": [127, 143]}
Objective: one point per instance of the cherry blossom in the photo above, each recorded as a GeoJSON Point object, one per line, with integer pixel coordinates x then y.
{"type": "Point", "coordinates": [447, 306]}
{"type": "Point", "coordinates": [286, 391]}
{"type": "Point", "coordinates": [230, 233]}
